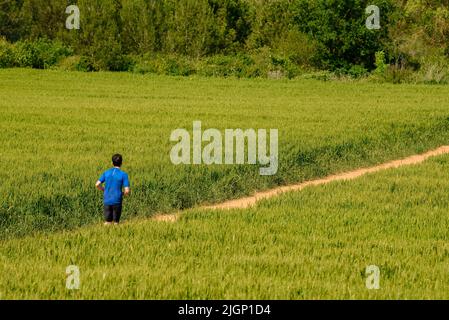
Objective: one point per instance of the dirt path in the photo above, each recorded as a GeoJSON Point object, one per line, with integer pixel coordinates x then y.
{"type": "Point", "coordinates": [251, 200]}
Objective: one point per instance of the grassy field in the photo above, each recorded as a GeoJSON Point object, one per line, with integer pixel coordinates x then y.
{"type": "Point", "coordinates": [313, 244]}
{"type": "Point", "coordinates": [59, 130]}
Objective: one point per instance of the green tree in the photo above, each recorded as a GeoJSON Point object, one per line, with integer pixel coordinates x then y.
{"type": "Point", "coordinates": [11, 20]}
{"type": "Point", "coordinates": [340, 31]}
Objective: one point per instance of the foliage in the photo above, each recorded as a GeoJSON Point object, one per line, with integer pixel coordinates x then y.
{"type": "Point", "coordinates": [39, 54]}
{"type": "Point", "coordinates": [311, 35]}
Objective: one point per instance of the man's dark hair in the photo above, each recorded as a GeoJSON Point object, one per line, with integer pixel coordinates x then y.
{"type": "Point", "coordinates": [117, 160]}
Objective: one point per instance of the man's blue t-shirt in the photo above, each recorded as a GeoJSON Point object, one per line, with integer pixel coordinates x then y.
{"type": "Point", "coordinates": [115, 180]}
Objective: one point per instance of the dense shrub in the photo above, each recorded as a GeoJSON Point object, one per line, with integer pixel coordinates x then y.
{"type": "Point", "coordinates": [6, 54]}
{"type": "Point", "coordinates": [340, 31]}
{"type": "Point", "coordinates": [40, 54]}
{"type": "Point", "coordinates": [85, 64]}
{"type": "Point", "coordinates": [262, 63]}
{"type": "Point", "coordinates": [434, 71]}
{"type": "Point", "coordinates": [164, 64]}
{"type": "Point", "coordinates": [381, 66]}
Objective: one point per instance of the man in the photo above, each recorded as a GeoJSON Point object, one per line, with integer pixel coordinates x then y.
{"type": "Point", "coordinates": [117, 185]}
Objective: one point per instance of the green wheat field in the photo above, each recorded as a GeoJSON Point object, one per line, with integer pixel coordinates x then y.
{"type": "Point", "coordinates": [59, 130]}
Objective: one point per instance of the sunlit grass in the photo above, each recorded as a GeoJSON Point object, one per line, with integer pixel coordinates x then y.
{"type": "Point", "coordinates": [313, 244]}
{"type": "Point", "coordinates": [59, 130]}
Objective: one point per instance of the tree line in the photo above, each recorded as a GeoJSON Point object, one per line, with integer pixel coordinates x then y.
{"type": "Point", "coordinates": [286, 34]}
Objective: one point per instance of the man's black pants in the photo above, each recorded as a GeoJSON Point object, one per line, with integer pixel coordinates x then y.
{"type": "Point", "coordinates": [112, 213]}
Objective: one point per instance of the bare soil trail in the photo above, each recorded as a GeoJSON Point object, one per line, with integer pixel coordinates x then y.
{"type": "Point", "coordinates": [246, 202]}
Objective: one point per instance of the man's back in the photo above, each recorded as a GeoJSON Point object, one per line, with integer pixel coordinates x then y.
{"type": "Point", "coordinates": [115, 180]}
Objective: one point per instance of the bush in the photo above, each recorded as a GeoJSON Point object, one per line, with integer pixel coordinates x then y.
{"type": "Point", "coordinates": [164, 64]}
{"type": "Point", "coordinates": [101, 61]}
{"type": "Point", "coordinates": [178, 66]}
{"type": "Point", "coordinates": [224, 65]}
{"type": "Point", "coordinates": [117, 61]}
{"type": "Point", "coordinates": [40, 54]}
{"type": "Point", "coordinates": [105, 54]}
{"type": "Point", "coordinates": [69, 63]}
{"type": "Point", "coordinates": [260, 63]}
{"type": "Point", "coordinates": [284, 65]}
{"type": "Point", "coordinates": [434, 72]}
{"type": "Point", "coordinates": [298, 47]}
{"type": "Point", "coordinates": [398, 74]}
{"type": "Point", "coordinates": [85, 64]}
{"type": "Point", "coordinates": [357, 71]}
{"type": "Point", "coordinates": [319, 75]}
{"type": "Point", "coordinates": [340, 33]}
{"type": "Point", "coordinates": [6, 54]}
{"type": "Point", "coordinates": [381, 66]}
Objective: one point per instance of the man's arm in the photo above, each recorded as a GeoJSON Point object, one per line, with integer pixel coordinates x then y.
{"type": "Point", "coordinates": [99, 186]}
{"type": "Point", "coordinates": [127, 191]}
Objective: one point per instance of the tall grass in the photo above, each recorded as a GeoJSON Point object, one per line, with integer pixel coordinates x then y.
{"type": "Point", "coordinates": [60, 129]}
{"type": "Point", "coordinates": [313, 244]}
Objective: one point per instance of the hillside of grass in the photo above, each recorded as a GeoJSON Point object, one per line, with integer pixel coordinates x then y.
{"type": "Point", "coordinates": [313, 244]}
{"type": "Point", "coordinates": [60, 129]}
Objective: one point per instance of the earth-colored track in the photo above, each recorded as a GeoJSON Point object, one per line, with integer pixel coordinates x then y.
{"type": "Point", "coordinates": [252, 200]}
